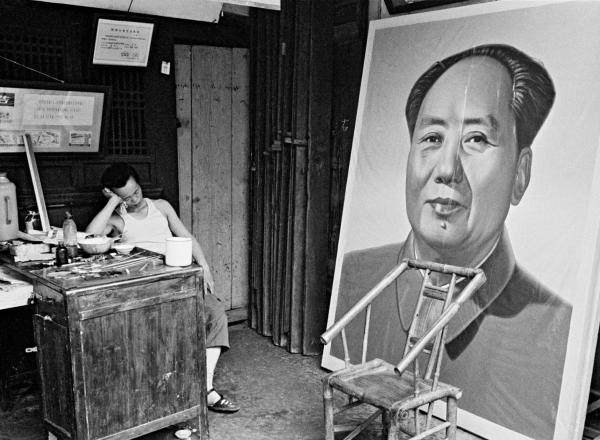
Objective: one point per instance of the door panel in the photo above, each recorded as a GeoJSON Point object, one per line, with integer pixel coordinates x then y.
{"type": "Point", "coordinates": [213, 148]}
{"type": "Point", "coordinates": [240, 157]}
{"type": "Point", "coordinates": [139, 365]}
{"type": "Point", "coordinates": [54, 363]}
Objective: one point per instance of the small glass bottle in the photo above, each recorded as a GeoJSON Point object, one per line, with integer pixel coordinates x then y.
{"type": "Point", "coordinates": [70, 235]}
{"type": "Point", "coordinates": [62, 256]}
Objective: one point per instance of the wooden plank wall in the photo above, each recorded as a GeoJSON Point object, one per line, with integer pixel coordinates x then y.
{"type": "Point", "coordinates": [291, 104]}
{"type": "Point", "coordinates": [240, 169]}
{"type": "Point", "coordinates": [212, 104]}
{"type": "Point", "coordinates": [264, 64]}
{"type": "Point", "coordinates": [183, 91]}
{"type": "Point", "coordinates": [318, 173]}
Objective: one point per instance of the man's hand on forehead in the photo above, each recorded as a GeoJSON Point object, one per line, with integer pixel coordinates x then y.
{"type": "Point", "coordinates": [110, 194]}
{"type": "Point", "coordinates": [107, 193]}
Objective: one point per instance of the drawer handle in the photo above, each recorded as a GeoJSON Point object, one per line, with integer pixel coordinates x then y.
{"type": "Point", "coordinates": [46, 299]}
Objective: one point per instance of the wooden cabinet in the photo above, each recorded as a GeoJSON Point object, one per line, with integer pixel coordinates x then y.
{"type": "Point", "coordinates": [121, 357]}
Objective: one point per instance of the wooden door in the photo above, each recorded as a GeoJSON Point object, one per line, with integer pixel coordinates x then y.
{"type": "Point", "coordinates": [213, 154]}
{"type": "Point", "coordinates": [54, 364]}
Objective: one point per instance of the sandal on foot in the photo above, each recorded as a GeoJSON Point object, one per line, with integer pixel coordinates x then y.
{"type": "Point", "coordinates": [222, 405]}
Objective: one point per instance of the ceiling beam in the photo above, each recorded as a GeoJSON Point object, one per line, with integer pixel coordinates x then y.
{"type": "Point", "coordinates": [204, 10]}
{"type": "Point", "coordinates": [265, 4]}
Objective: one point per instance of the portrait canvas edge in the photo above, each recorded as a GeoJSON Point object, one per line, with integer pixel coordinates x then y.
{"type": "Point", "coordinates": [570, 417]}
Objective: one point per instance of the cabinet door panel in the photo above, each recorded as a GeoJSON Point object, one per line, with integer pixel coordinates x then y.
{"type": "Point", "coordinates": [140, 364]}
{"type": "Point", "coordinates": [54, 365]}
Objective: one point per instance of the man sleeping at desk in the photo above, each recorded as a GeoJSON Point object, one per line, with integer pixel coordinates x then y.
{"type": "Point", "coordinates": [147, 223]}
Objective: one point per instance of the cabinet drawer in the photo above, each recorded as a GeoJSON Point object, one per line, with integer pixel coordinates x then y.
{"type": "Point", "coordinates": [50, 303]}
{"type": "Point", "coordinates": [134, 295]}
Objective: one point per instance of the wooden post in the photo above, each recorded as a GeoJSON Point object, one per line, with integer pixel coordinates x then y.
{"type": "Point", "coordinates": [240, 153]}
{"type": "Point", "coordinates": [183, 85]}
{"type": "Point", "coordinates": [300, 140]}
{"type": "Point", "coordinates": [318, 173]}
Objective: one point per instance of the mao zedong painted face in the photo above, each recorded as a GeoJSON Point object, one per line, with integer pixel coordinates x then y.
{"type": "Point", "coordinates": [463, 161]}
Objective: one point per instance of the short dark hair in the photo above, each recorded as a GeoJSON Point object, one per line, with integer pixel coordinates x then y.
{"type": "Point", "coordinates": [117, 175]}
{"type": "Point", "coordinates": [533, 90]}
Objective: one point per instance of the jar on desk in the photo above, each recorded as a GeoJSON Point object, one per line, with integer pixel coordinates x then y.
{"type": "Point", "coordinates": [32, 222]}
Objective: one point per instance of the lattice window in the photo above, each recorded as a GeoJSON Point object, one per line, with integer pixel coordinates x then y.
{"type": "Point", "coordinates": [41, 52]}
{"type": "Point", "coordinates": [126, 133]}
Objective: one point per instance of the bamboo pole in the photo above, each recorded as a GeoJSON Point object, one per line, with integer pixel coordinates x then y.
{"type": "Point", "coordinates": [336, 328]}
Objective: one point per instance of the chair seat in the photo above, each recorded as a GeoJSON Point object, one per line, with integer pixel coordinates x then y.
{"type": "Point", "coordinates": [377, 384]}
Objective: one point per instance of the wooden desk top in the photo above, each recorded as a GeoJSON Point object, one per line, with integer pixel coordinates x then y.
{"type": "Point", "coordinates": [99, 271]}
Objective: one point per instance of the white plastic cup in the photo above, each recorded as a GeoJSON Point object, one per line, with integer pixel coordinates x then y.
{"type": "Point", "coordinates": [178, 251]}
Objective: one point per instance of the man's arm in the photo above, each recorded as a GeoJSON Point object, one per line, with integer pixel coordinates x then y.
{"type": "Point", "coordinates": [105, 222]}
{"type": "Point", "coordinates": [179, 230]}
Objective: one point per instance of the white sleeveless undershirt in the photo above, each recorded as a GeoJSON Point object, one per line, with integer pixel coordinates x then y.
{"type": "Point", "coordinates": [149, 232]}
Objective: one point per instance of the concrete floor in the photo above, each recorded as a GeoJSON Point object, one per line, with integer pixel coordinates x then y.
{"type": "Point", "coordinates": [280, 396]}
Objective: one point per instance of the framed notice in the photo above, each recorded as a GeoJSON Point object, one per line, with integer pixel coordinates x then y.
{"type": "Point", "coordinates": [58, 120]}
{"type": "Point", "coordinates": [122, 43]}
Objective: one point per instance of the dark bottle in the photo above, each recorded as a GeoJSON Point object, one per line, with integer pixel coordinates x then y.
{"type": "Point", "coordinates": [62, 255]}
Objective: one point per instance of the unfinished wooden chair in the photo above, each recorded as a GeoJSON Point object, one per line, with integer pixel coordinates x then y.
{"type": "Point", "coordinates": [397, 392]}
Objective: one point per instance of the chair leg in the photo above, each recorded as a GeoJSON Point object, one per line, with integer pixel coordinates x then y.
{"type": "Point", "coordinates": [451, 411]}
{"type": "Point", "coordinates": [393, 428]}
{"type": "Point", "coordinates": [385, 424]}
{"type": "Point", "coordinates": [416, 417]}
{"type": "Point", "coordinates": [328, 407]}
{"type": "Point", "coordinates": [395, 418]}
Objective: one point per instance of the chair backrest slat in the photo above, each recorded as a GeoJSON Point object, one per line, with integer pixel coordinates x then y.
{"type": "Point", "coordinates": [366, 334]}
{"type": "Point", "coordinates": [436, 361]}
{"type": "Point", "coordinates": [346, 352]}
{"type": "Point", "coordinates": [452, 309]}
{"type": "Point", "coordinates": [432, 302]}
{"type": "Point", "coordinates": [414, 329]}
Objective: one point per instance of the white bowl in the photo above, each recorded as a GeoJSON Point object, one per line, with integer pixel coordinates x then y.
{"type": "Point", "coordinates": [95, 245]}
{"type": "Point", "coordinates": [123, 248]}
{"type": "Point", "coordinates": [183, 434]}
